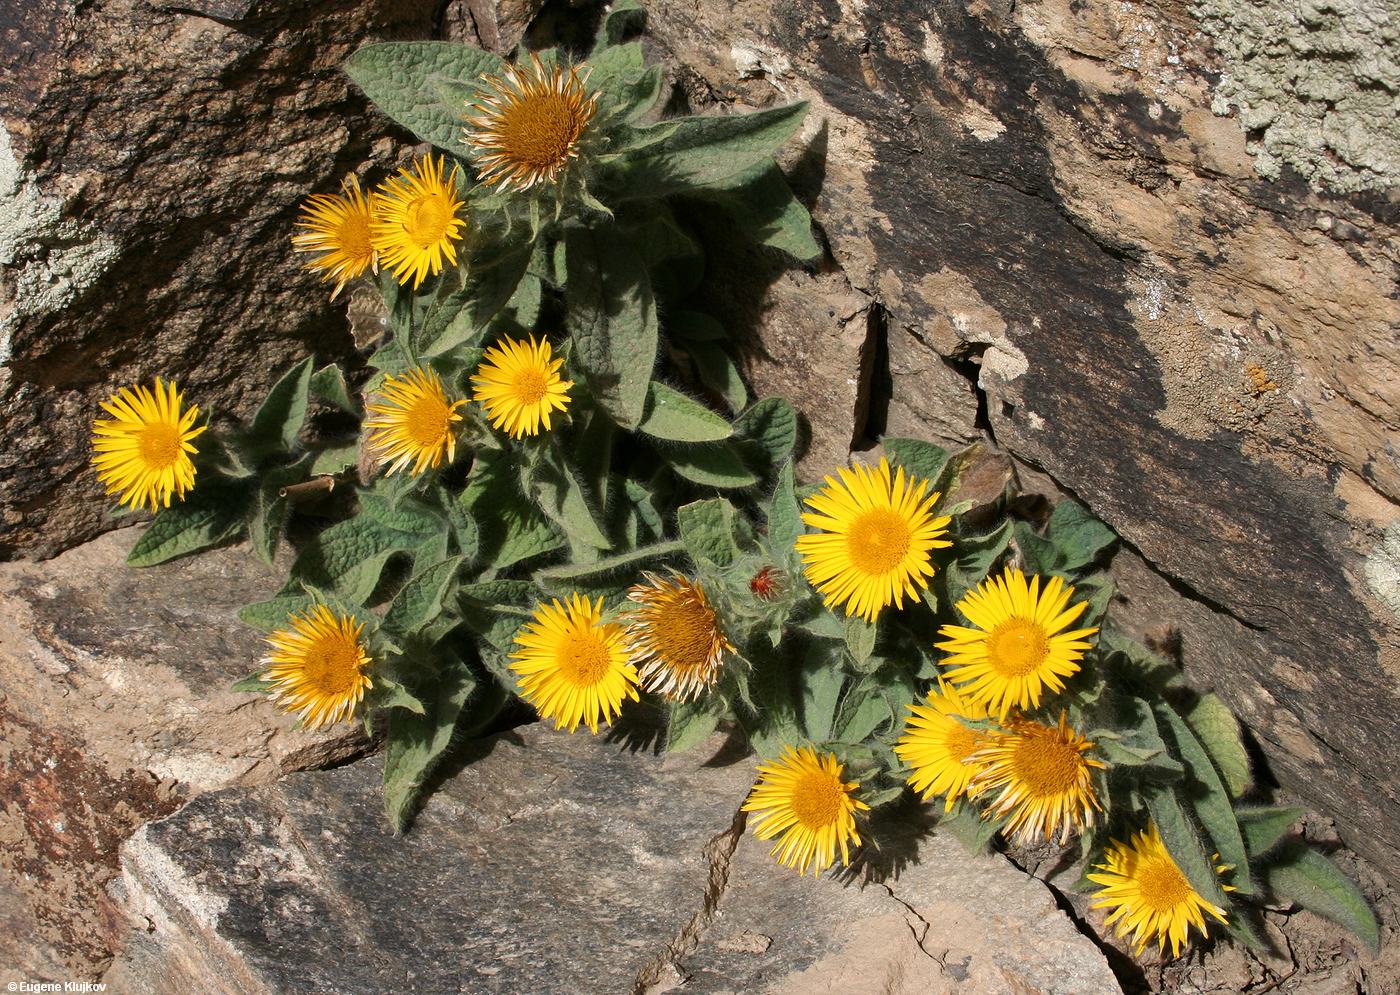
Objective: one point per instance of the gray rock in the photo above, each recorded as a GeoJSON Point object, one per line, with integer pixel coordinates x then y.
{"type": "Point", "coordinates": [556, 863]}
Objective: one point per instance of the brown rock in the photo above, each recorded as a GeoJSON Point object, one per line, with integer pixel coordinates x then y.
{"type": "Point", "coordinates": [1041, 195]}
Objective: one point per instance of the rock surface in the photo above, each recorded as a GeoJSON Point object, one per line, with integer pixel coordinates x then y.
{"type": "Point", "coordinates": [114, 708]}
{"type": "Point", "coordinates": [560, 863]}
{"type": "Point", "coordinates": [1076, 256]}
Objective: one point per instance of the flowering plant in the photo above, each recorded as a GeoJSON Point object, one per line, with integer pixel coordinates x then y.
{"type": "Point", "coordinates": [540, 507]}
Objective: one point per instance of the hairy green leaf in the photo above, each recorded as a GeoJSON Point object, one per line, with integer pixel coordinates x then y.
{"type": "Point", "coordinates": [612, 317]}
{"type": "Point", "coordinates": [784, 517]}
{"type": "Point", "coordinates": [718, 372]}
{"type": "Point", "coordinates": [821, 680]}
{"type": "Point", "coordinates": [763, 208]}
{"type": "Point", "coordinates": [347, 558]}
{"type": "Point", "coordinates": [1263, 828]}
{"type": "Point", "coordinates": [920, 459]}
{"type": "Point", "coordinates": [278, 421]}
{"type": "Point", "coordinates": [1215, 725]}
{"type": "Point", "coordinates": [275, 613]}
{"type": "Point", "coordinates": [417, 742]}
{"type": "Point", "coordinates": [1078, 536]}
{"type": "Point", "coordinates": [565, 577]}
{"type": "Point", "coordinates": [563, 498]}
{"type": "Point", "coordinates": [712, 466]}
{"type": "Point", "coordinates": [1314, 882]}
{"type": "Point", "coordinates": [674, 261]}
{"type": "Point", "coordinates": [328, 386]}
{"type": "Point", "coordinates": [400, 77]}
{"type": "Point", "coordinates": [860, 639]}
{"type": "Point", "coordinates": [669, 414]}
{"type": "Point", "coordinates": [767, 433]}
{"type": "Point", "coordinates": [707, 530]}
{"type": "Point", "coordinates": [623, 18]}
{"type": "Point", "coordinates": [690, 723]}
{"type": "Point", "coordinates": [1183, 842]}
{"type": "Point", "coordinates": [420, 600]}
{"type": "Point", "coordinates": [210, 514]}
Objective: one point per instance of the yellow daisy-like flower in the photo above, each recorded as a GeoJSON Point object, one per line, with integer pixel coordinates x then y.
{"type": "Point", "coordinates": [938, 745]}
{"type": "Point", "coordinates": [317, 667]}
{"type": "Point", "coordinates": [338, 227]}
{"type": "Point", "coordinates": [1149, 895]}
{"type": "Point", "coordinates": [412, 421]}
{"type": "Point", "coordinates": [527, 127]}
{"type": "Point", "coordinates": [520, 386]}
{"type": "Point", "coordinates": [1041, 779]}
{"type": "Point", "coordinates": [674, 636]}
{"type": "Point", "coordinates": [573, 666]}
{"type": "Point", "coordinates": [1019, 648]}
{"type": "Point", "coordinates": [415, 225]}
{"type": "Point", "coordinates": [801, 798]}
{"type": "Point", "coordinates": [877, 531]}
{"type": "Point", "coordinates": [143, 451]}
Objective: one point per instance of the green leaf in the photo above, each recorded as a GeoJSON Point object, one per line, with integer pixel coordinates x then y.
{"type": "Point", "coordinates": [860, 639]}
{"type": "Point", "coordinates": [328, 386]}
{"type": "Point", "coordinates": [1209, 798]}
{"type": "Point", "coordinates": [707, 529]}
{"type": "Point", "coordinates": [1314, 882]}
{"type": "Point", "coordinates": [767, 433]}
{"type": "Point", "coordinates": [612, 318]}
{"type": "Point", "coordinates": [1215, 725]}
{"type": "Point", "coordinates": [973, 558]}
{"type": "Point", "coordinates": [399, 513]}
{"type": "Point", "coordinates": [267, 518]}
{"type": "Point", "coordinates": [420, 600]}
{"type": "Point", "coordinates": [348, 558]}
{"type": "Point", "coordinates": [695, 326]}
{"type": "Point", "coordinates": [566, 577]}
{"type": "Point", "coordinates": [1184, 844]}
{"type": "Point", "coordinates": [1078, 536]}
{"type": "Point", "coordinates": [334, 459]}
{"type": "Point", "coordinates": [623, 18]}
{"type": "Point", "coordinates": [1038, 554]}
{"type": "Point", "coordinates": [462, 317]}
{"type": "Point", "coordinates": [669, 414]}
{"type": "Point", "coordinates": [861, 715]}
{"type": "Point", "coordinates": [821, 680]}
{"type": "Point", "coordinates": [562, 497]}
{"type": "Point", "coordinates": [252, 683]}
{"type": "Point", "coordinates": [674, 261]}
{"type": "Point", "coordinates": [278, 421]}
{"type": "Point", "coordinates": [212, 513]}
{"type": "Point", "coordinates": [920, 459]}
{"type": "Point", "coordinates": [274, 613]}
{"type": "Point", "coordinates": [1264, 827]}
{"type": "Point", "coordinates": [690, 723]}
{"type": "Point", "coordinates": [1135, 740]}
{"type": "Point", "coordinates": [686, 153]}
{"type": "Point", "coordinates": [763, 208]}
{"type": "Point", "coordinates": [711, 466]}
{"type": "Point", "coordinates": [417, 742]}
{"type": "Point", "coordinates": [718, 372]}
{"type": "Point", "coordinates": [391, 694]}
{"type": "Point", "coordinates": [401, 77]}
{"type": "Point", "coordinates": [969, 828]}
{"type": "Point", "coordinates": [510, 529]}
{"type": "Point", "coordinates": [784, 517]}
{"type": "Point", "coordinates": [617, 62]}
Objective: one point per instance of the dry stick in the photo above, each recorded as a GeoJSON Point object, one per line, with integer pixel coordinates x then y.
{"type": "Point", "coordinates": [308, 488]}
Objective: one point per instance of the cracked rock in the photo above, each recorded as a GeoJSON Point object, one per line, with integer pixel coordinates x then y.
{"type": "Point", "coordinates": [557, 863]}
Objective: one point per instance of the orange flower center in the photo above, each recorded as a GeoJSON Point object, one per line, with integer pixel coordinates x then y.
{"type": "Point", "coordinates": [159, 445]}
{"type": "Point", "coordinates": [1047, 767]}
{"type": "Point", "coordinates": [818, 799]}
{"type": "Point", "coordinates": [332, 664]}
{"type": "Point", "coordinates": [539, 130]}
{"type": "Point", "coordinates": [878, 541]}
{"type": "Point", "coordinates": [427, 421]}
{"type": "Point", "coordinates": [1162, 885]}
{"type": "Point", "coordinates": [683, 631]}
{"type": "Point", "coordinates": [960, 741]}
{"type": "Point", "coordinates": [530, 386]}
{"type": "Point", "coordinates": [1017, 647]}
{"type": "Point", "coordinates": [353, 235]}
{"type": "Point", "coordinates": [427, 220]}
{"type": "Point", "coordinates": [584, 659]}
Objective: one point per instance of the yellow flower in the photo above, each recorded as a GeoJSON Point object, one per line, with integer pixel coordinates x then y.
{"type": "Point", "coordinates": [520, 386]}
{"type": "Point", "coordinates": [143, 450]}
{"type": "Point", "coordinates": [1019, 647]}
{"type": "Point", "coordinates": [877, 531]}
{"type": "Point", "coordinates": [527, 127]}
{"type": "Point", "coordinates": [573, 666]}
{"type": "Point", "coordinates": [415, 224]}
{"type": "Point", "coordinates": [412, 421]}
{"type": "Point", "coordinates": [674, 636]}
{"type": "Point", "coordinates": [938, 745]}
{"type": "Point", "coordinates": [801, 798]}
{"type": "Point", "coordinates": [1041, 778]}
{"type": "Point", "coordinates": [338, 227]}
{"type": "Point", "coordinates": [317, 667]}
{"type": "Point", "coordinates": [1149, 895]}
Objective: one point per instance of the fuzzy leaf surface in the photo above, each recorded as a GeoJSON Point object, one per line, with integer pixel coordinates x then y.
{"type": "Point", "coordinates": [669, 414]}
{"type": "Point", "coordinates": [400, 76]}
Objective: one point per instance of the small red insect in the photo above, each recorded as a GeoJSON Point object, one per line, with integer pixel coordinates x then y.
{"type": "Point", "coordinates": [767, 583]}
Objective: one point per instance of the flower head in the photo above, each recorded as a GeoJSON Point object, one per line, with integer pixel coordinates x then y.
{"type": "Point", "coordinates": [877, 530]}
{"type": "Point", "coordinates": [801, 798]}
{"type": "Point", "coordinates": [1019, 647]}
{"type": "Point", "coordinates": [317, 667]}
{"type": "Point", "coordinates": [674, 636]}
{"type": "Point", "coordinates": [938, 745]}
{"type": "Point", "coordinates": [412, 422]}
{"type": "Point", "coordinates": [1040, 778]}
{"type": "Point", "coordinates": [527, 127]}
{"type": "Point", "coordinates": [338, 227]}
{"type": "Point", "coordinates": [573, 666]}
{"type": "Point", "coordinates": [520, 386]}
{"type": "Point", "coordinates": [415, 225]}
{"type": "Point", "coordinates": [1149, 896]}
{"type": "Point", "coordinates": [143, 451]}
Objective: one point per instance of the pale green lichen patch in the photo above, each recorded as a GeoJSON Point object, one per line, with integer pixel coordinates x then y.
{"type": "Point", "coordinates": [1316, 84]}
{"type": "Point", "coordinates": [1383, 569]}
